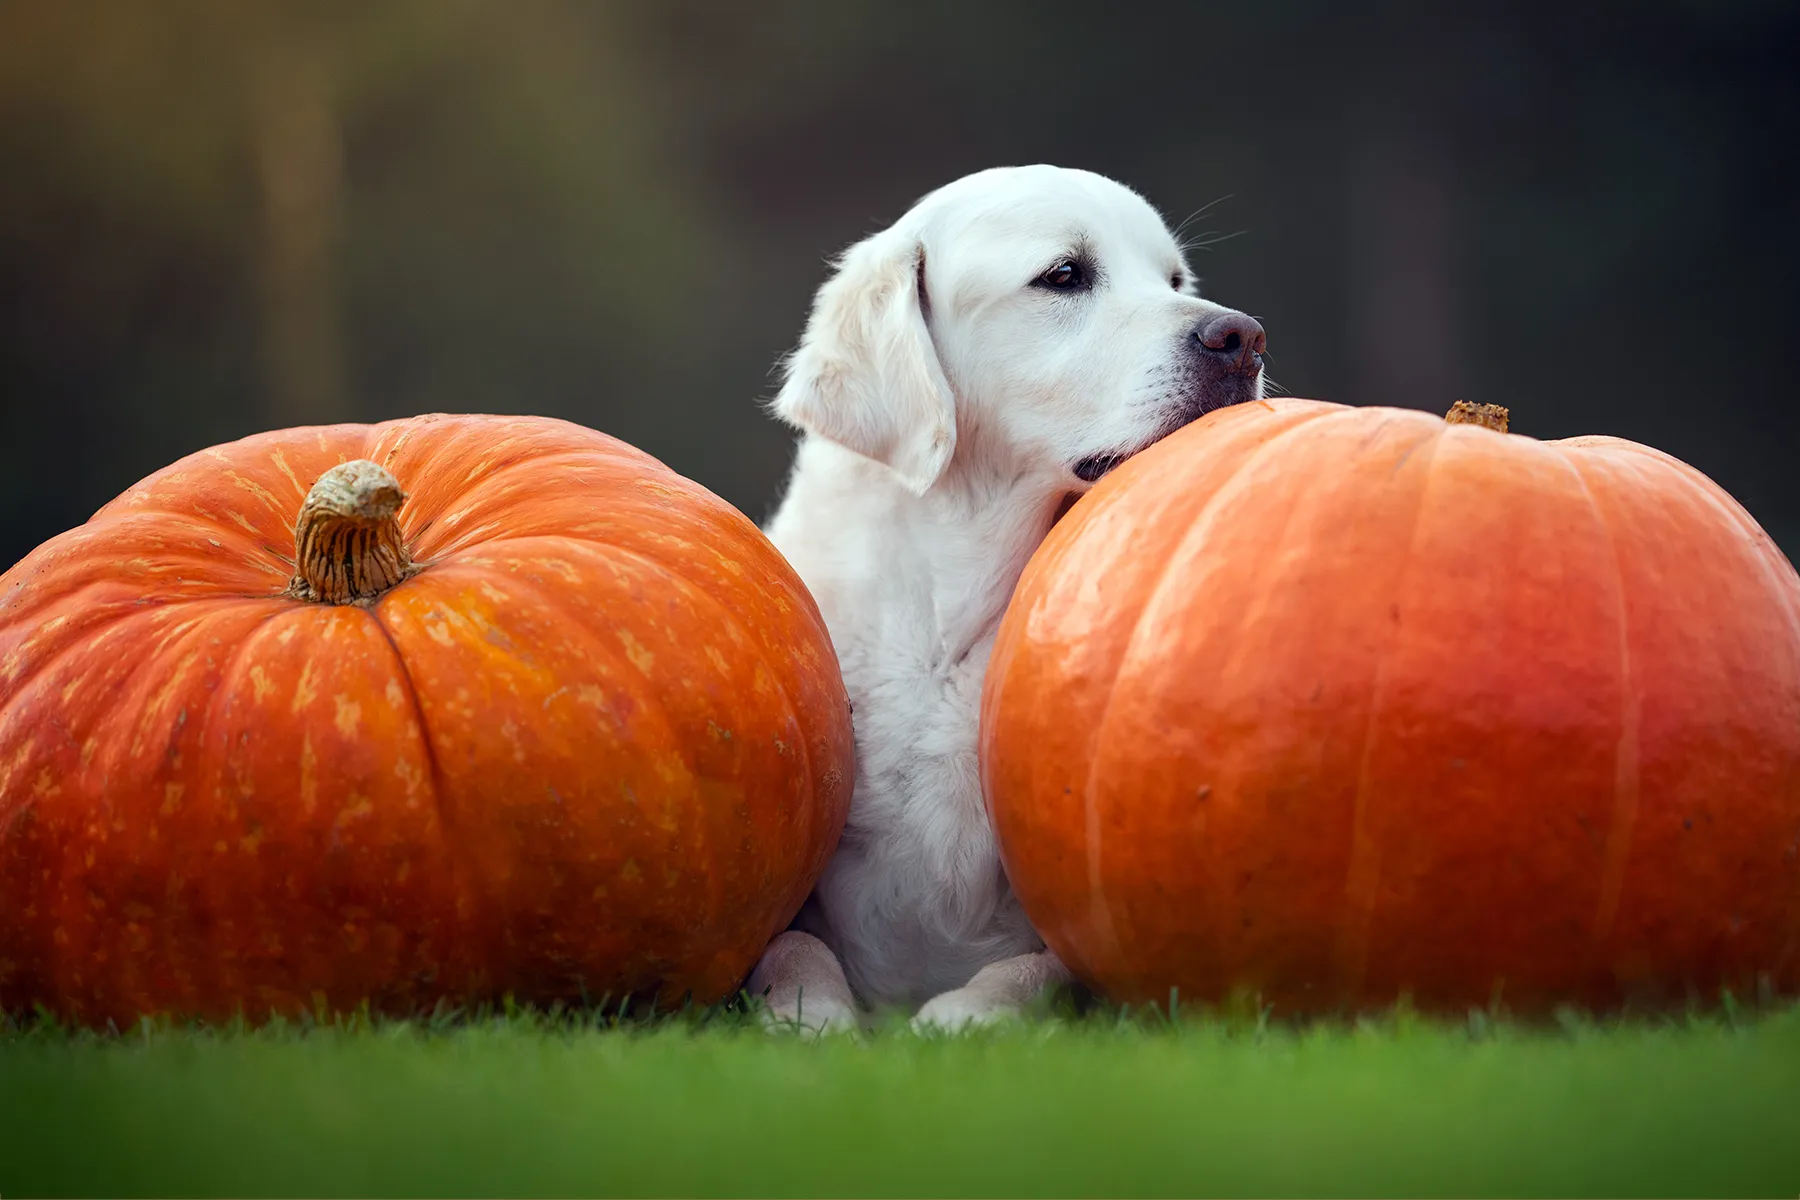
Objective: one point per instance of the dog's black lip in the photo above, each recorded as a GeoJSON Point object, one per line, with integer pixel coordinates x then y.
{"type": "Point", "coordinates": [1093, 467]}
{"type": "Point", "coordinates": [1090, 469]}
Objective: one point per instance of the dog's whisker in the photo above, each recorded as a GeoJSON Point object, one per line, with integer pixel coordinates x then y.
{"type": "Point", "coordinates": [1200, 212]}
{"type": "Point", "coordinates": [1211, 241]}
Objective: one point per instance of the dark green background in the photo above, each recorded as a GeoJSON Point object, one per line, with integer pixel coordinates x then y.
{"type": "Point", "coordinates": [217, 218]}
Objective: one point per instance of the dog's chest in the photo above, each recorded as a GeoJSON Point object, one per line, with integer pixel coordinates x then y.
{"type": "Point", "coordinates": [916, 894]}
{"type": "Point", "coordinates": [916, 740]}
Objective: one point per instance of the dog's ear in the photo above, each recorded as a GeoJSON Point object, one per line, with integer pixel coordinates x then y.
{"type": "Point", "coordinates": [866, 374]}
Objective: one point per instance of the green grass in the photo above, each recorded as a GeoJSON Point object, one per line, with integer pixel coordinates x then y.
{"type": "Point", "coordinates": [529, 1105]}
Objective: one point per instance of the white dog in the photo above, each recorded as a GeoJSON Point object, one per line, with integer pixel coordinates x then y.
{"type": "Point", "coordinates": [1005, 343]}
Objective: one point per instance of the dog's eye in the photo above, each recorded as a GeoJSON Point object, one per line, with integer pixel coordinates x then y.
{"type": "Point", "coordinates": [1065, 276]}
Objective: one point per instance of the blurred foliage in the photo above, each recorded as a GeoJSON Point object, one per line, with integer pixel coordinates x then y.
{"type": "Point", "coordinates": [222, 217]}
{"type": "Point", "coordinates": [218, 217]}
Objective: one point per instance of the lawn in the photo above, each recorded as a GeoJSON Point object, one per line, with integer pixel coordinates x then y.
{"type": "Point", "coordinates": [1100, 1105]}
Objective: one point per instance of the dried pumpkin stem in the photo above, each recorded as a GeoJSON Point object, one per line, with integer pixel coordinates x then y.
{"type": "Point", "coordinates": [1488, 416]}
{"type": "Point", "coordinates": [349, 548]}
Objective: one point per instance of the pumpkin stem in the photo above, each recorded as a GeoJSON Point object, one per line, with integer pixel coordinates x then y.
{"type": "Point", "coordinates": [1488, 416]}
{"type": "Point", "coordinates": [349, 548]}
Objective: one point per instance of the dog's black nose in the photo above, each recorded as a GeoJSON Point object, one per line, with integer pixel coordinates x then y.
{"type": "Point", "coordinates": [1236, 339]}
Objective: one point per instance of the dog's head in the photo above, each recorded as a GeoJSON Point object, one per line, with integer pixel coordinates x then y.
{"type": "Point", "coordinates": [1037, 321]}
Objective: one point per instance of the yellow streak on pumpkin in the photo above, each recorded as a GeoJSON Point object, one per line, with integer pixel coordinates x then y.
{"type": "Point", "coordinates": [387, 459]}
{"type": "Point", "coordinates": [510, 732]}
{"type": "Point", "coordinates": [153, 710]}
{"type": "Point", "coordinates": [12, 766]}
{"type": "Point", "coordinates": [281, 463]}
{"type": "Point", "coordinates": [493, 593]}
{"type": "Point", "coordinates": [349, 715]}
{"type": "Point", "coordinates": [305, 691]}
{"type": "Point", "coordinates": [46, 785]}
{"type": "Point", "coordinates": [171, 630]}
{"type": "Point", "coordinates": [719, 661]}
{"type": "Point", "coordinates": [359, 806]}
{"type": "Point", "coordinates": [287, 634]}
{"type": "Point", "coordinates": [176, 678]}
{"type": "Point", "coordinates": [630, 872]}
{"type": "Point", "coordinates": [309, 784]}
{"type": "Point", "coordinates": [640, 656]}
{"type": "Point", "coordinates": [591, 694]}
{"type": "Point", "coordinates": [395, 696]}
{"type": "Point", "coordinates": [412, 776]}
{"type": "Point", "coordinates": [259, 681]}
{"type": "Point", "coordinates": [87, 751]}
{"type": "Point", "coordinates": [241, 519]}
{"type": "Point", "coordinates": [250, 841]}
{"type": "Point", "coordinates": [171, 798]}
{"type": "Point", "coordinates": [440, 633]}
{"type": "Point", "coordinates": [564, 568]}
{"type": "Point", "coordinates": [258, 490]}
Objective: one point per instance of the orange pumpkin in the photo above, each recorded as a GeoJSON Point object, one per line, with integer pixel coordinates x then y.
{"type": "Point", "coordinates": [563, 724]}
{"type": "Point", "coordinates": [1337, 705]}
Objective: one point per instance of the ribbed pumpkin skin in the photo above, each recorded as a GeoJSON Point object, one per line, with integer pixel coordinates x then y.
{"type": "Point", "coordinates": [1338, 704]}
{"type": "Point", "coordinates": [599, 745]}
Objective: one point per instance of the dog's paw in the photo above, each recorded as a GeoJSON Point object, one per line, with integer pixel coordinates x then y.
{"type": "Point", "coordinates": [801, 988]}
{"type": "Point", "coordinates": [814, 1018]}
{"type": "Point", "coordinates": [963, 1009]}
{"type": "Point", "coordinates": [999, 992]}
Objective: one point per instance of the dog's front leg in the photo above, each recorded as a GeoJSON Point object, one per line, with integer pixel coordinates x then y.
{"type": "Point", "coordinates": [999, 990]}
{"type": "Point", "coordinates": [803, 986]}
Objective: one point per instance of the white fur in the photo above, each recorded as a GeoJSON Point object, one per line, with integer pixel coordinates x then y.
{"type": "Point", "coordinates": [941, 431]}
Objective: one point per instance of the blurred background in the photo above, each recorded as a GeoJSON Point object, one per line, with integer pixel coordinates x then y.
{"type": "Point", "coordinates": [218, 218]}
